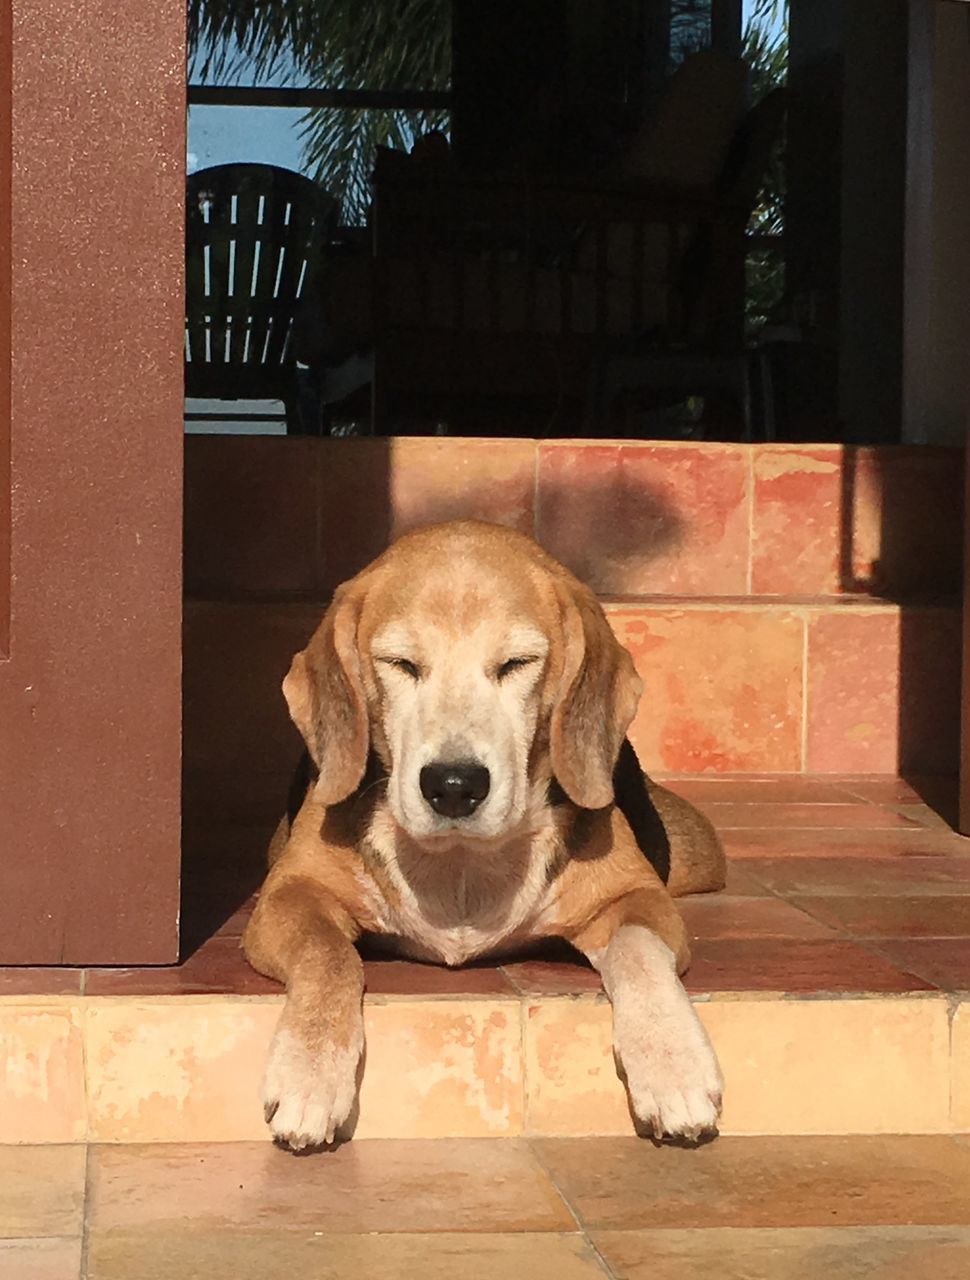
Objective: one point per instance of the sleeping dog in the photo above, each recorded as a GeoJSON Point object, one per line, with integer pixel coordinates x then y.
{"type": "Point", "coordinates": [465, 706]}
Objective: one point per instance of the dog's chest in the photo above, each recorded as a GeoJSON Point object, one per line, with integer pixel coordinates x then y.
{"type": "Point", "coordinates": [452, 909]}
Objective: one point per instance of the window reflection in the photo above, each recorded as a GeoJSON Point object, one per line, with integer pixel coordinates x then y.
{"type": "Point", "coordinates": [552, 96]}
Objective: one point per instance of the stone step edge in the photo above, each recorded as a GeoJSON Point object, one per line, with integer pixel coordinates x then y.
{"type": "Point", "coordinates": [187, 1068]}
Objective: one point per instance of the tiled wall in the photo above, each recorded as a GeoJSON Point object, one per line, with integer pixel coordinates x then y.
{"type": "Point", "coordinates": [815, 687]}
{"type": "Point", "coordinates": [789, 608]}
{"type": "Point", "coordinates": [736, 688]}
{"type": "Point", "coordinates": [277, 517]}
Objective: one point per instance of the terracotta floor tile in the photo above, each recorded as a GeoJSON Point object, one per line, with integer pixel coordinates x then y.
{"type": "Point", "coordinates": [235, 656]}
{"type": "Point", "coordinates": [893, 917]}
{"type": "Point", "coordinates": [405, 977]}
{"type": "Point", "coordinates": [795, 525]}
{"type": "Point", "coordinates": [442, 1069]}
{"type": "Point", "coordinates": [374, 490]}
{"type": "Point", "coordinates": [41, 1190]}
{"type": "Point", "coordinates": [439, 478]}
{"type": "Point", "coordinates": [219, 902]}
{"type": "Point", "coordinates": [740, 882]}
{"type": "Point", "coordinates": [40, 1259]}
{"type": "Point", "coordinates": [960, 1078]}
{"type": "Point", "coordinates": [742, 790]}
{"type": "Point", "coordinates": [721, 916]}
{"type": "Point", "coordinates": [894, 544]}
{"type": "Point", "coordinates": [217, 966]}
{"type": "Point", "coordinates": [645, 518]}
{"type": "Point", "coordinates": [234, 925]}
{"type": "Point", "coordinates": [844, 844]}
{"type": "Point", "coordinates": [355, 506]}
{"type": "Point", "coordinates": [881, 689]}
{"type": "Point", "coordinates": [29, 981]}
{"type": "Point", "coordinates": [833, 1064]}
{"type": "Point", "coordinates": [240, 539]}
{"type": "Point", "coordinates": [552, 977]}
{"type": "Point", "coordinates": [788, 1253]}
{"type": "Point", "coordinates": [223, 1255]}
{"type": "Point", "coordinates": [795, 967]}
{"type": "Point", "coordinates": [167, 1070]}
{"type": "Point", "coordinates": [926, 816]}
{"type": "Point", "coordinates": [763, 1182]}
{"type": "Point", "coordinates": [943, 961]}
{"type": "Point", "coordinates": [939, 793]}
{"type": "Point", "coordinates": [855, 876]}
{"type": "Point", "coordinates": [753, 659]}
{"type": "Point", "coordinates": [41, 1072]}
{"type": "Point", "coordinates": [411, 1186]}
{"type": "Point", "coordinates": [823, 1065]}
{"type": "Point", "coordinates": [812, 816]}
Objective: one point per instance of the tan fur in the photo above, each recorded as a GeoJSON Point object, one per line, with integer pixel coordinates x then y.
{"type": "Point", "coordinates": [466, 641]}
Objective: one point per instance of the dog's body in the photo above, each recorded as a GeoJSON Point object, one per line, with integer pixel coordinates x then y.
{"type": "Point", "coordinates": [465, 705]}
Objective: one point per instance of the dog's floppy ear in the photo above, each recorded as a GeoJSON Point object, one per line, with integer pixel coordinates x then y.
{"type": "Point", "coordinates": [597, 699]}
{"type": "Point", "coordinates": [325, 695]}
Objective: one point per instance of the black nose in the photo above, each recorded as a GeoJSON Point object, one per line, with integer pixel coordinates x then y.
{"type": "Point", "coordinates": [454, 790]}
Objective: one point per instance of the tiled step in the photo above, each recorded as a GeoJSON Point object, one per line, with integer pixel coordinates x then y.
{"type": "Point", "coordinates": [270, 517]}
{"type": "Point", "coordinates": [187, 1068]}
{"type": "Point", "coordinates": [833, 974]}
{"type": "Point", "coordinates": [575, 1209]}
{"type": "Point", "coordinates": [790, 685]}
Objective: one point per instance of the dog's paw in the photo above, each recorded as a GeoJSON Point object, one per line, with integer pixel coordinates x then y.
{"type": "Point", "coordinates": [671, 1071]}
{"type": "Point", "coordinates": [308, 1093]}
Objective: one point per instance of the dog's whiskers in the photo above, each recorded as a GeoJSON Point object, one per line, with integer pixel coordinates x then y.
{"type": "Point", "coordinates": [378, 782]}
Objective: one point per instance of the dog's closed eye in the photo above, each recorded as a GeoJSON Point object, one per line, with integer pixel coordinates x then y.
{"type": "Point", "coordinates": [506, 668]}
{"type": "Point", "coordinates": [409, 668]}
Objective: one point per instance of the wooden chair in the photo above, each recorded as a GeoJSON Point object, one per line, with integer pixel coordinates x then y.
{"type": "Point", "coordinates": [493, 288]}
{"type": "Point", "coordinates": [708, 354]}
{"type": "Point", "coordinates": [256, 238]}
{"type": "Point", "coordinates": [559, 295]}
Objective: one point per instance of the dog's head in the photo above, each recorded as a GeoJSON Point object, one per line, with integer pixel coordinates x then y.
{"type": "Point", "coordinates": [477, 668]}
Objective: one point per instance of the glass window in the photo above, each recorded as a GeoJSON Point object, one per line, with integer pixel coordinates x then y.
{"type": "Point", "coordinates": [311, 88]}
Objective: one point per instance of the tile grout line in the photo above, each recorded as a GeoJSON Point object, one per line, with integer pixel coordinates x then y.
{"type": "Point", "coordinates": [580, 1225]}
{"type": "Point", "coordinates": [805, 701]}
{"type": "Point", "coordinates": [536, 493]}
{"type": "Point", "coordinates": [523, 1050]}
{"type": "Point", "coordinates": [85, 1209]}
{"type": "Point", "coordinates": [872, 946]}
{"type": "Point", "coordinates": [83, 1014]}
{"type": "Point", "coordinates": [952, 1006]}
{"type": "Point", "coordinates": [749, 576]}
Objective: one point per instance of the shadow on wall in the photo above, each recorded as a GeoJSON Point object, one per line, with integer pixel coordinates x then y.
{"type": "Point", "coordinates": [270, 531]}
{"type": "Point", "coordinates": [913, 559]}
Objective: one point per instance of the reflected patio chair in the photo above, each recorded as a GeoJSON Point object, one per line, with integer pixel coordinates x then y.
{"type": "Point", "coordinates": [256, 239]}
{"type": "Point", "coordinates": [709, 355]}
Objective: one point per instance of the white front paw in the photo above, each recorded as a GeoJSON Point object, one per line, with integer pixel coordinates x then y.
{"type": "Point", "coordinates": [671, 1070]}
{"type": "Point", "coordinates": [309, 1093]}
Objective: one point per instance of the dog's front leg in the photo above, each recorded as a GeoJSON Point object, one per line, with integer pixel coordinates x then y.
{"type": "Point", "coordinates": [300, 936]}
{"type": "Point", "coordinates": [671, 1070]}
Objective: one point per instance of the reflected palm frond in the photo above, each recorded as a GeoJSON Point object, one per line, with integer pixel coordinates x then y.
{"type": "Point", "coordinates": [397, 45]}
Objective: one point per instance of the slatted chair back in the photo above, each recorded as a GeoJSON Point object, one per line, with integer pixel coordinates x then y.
{"type": "Point", "coordinates": [256, 236]}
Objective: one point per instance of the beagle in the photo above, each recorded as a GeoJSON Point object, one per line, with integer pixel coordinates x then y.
{"type": "Point", "coordinates": [465, 705]}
